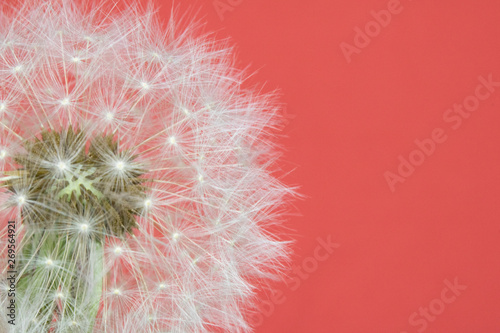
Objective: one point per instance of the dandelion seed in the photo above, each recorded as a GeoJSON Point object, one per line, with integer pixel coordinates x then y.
{"type": "Point", "coordinates": [120, 166]}
{"type": "Point", "coordinates": [17, 69]}
{"type": "Point", "coordinates": [21, 199]}
{"type": "Point", "coordinates": [62, 166]}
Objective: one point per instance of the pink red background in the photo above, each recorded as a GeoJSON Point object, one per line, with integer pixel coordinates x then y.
{"type": "Point", "coordinates": [349, 122]}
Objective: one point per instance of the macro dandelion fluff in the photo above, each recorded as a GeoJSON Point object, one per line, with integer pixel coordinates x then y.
{"type": "Point", "coordinates": [139, 171]}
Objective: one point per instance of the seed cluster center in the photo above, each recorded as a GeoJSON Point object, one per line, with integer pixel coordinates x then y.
{"type": "Point", "coordinates": [64, 178]}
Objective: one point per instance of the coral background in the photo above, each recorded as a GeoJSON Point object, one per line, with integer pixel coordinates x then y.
{"type": "Point", "coordinates": [348, 124]}
{"type": "Point", "coordinates": [352, 122]}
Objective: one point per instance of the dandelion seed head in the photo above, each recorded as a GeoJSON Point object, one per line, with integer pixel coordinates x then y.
{"type": "Point", "coordinates": [127, 153]}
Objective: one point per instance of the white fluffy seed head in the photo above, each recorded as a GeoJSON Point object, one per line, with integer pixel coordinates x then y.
{"type": "Point", "coordinates": [184, 142]}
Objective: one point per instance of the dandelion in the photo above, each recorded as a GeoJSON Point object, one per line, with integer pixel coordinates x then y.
{"type": "Point", "coordinates": [140, 172]}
